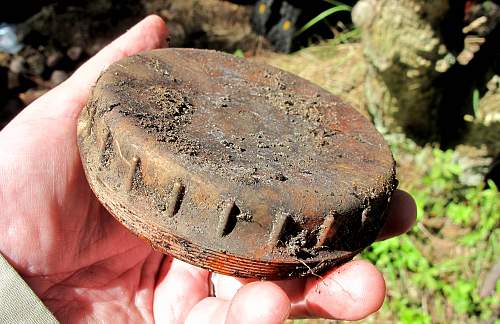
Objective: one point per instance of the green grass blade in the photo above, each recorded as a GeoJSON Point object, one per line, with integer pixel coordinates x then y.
{"type": "Point", "coordinates": [336, 3]}
{"type": "Point", "coordinates": [346, 36]}
{"type": "Point", "coordinates": [322, 16]}
{"type": "Point", "coordinates": [475, 102]}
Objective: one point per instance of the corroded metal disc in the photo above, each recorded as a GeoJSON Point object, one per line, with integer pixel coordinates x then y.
{"type": "Point", "coordinates": [234, 166]}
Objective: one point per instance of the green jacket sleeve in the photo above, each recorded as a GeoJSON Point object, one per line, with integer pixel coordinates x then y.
{"type": "Point", "coordinates": [18, 303]}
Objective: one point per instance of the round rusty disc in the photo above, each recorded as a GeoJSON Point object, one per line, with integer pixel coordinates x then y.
{"type": "Point", "coordinates": [234, 166]}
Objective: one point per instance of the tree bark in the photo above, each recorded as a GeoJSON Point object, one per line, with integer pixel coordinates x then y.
{"type": "Point", "coordinates": [406, 52]}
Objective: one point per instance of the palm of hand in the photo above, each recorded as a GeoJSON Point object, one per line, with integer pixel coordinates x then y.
{"type": "Point", "coordinates": [84, 265]}
{"type": "Point", "coordinates": [71, 252]}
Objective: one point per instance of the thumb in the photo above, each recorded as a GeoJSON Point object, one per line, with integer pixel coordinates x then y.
{"type": "Point", "coordinates": [259, 302]}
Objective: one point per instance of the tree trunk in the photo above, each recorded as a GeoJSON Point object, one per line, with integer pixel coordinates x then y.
{"type": "Point", "coordinates": [406, 52]}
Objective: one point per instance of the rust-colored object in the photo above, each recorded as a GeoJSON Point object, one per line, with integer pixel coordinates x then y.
{"type": "Point", "coordinates": [232, 166]}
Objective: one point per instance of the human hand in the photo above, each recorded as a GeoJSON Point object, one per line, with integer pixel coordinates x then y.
{"type": "Point", "coordinates": [85, 266]}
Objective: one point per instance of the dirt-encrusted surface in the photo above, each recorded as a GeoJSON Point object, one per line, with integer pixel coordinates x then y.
{"type": "Point", "coordinates": [237, 167]}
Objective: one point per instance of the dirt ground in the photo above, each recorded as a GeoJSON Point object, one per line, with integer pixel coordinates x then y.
{"type": "Point", "coordinates": [54, 46]}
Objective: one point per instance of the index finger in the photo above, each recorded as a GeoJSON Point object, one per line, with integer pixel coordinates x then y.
{"type": "Point", "coordinates": [351, 291]}
{"type": "Point", "coordinates": [401, 215]}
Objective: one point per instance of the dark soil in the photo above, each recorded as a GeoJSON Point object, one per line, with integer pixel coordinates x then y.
{"type": "Point", "coordinates": [55, 45]}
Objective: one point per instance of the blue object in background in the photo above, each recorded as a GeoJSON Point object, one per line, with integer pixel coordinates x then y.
{"type": "Point", "coordinates": [8, 39]}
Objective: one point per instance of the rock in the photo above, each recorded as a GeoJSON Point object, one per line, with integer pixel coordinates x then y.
{"type": "Point", "coordinates": [31, 95]}
{"type": "Point", "coordinates": [74, 53]}
{"type": "Point", "coordinates": [17, 65]}
{"type": "Point", "coordinates": [53, 59]}
{"type": "Point", "coordinates": [36, 63]}
{"type": "Point", "coordinates": [177, 34]}
{"type": "Point", "coordinates": [57, 77]}
{"type": "Point", "coordinates": [13, 80]}
{"type": "Point", "coordinates": [4, 59]}
{"type": "Point", "coordinates": [490, 281]}
{"type": "Point", "coordinates": [363, 13]}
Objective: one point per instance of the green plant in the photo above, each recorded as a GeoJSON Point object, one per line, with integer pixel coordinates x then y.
{"type": "Point", "coordinates": [475, 101]}
{"type": "Point", "coordinates": [239, 53]}
{"type": "Point", "coordinates": [439, 266]}
{"type": "Point", "coordinates": [338, 7]}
